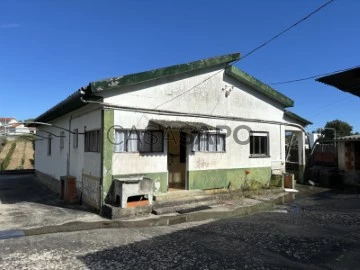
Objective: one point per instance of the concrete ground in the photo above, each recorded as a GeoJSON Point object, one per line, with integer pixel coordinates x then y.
{"type": "Point", "coordinates": [25, 203]}
{"type": "Point", "coordinates": [321, 231]}
{"type": "Point", "coordinates": [29, 208]}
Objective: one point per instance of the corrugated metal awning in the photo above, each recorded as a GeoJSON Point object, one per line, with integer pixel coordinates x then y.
{"type": "Point", "coordinates": [348, 80]}
{"type": "Point", "coordinates": [183, 125]}
{"type": "Point", "coordinates": [349, 138]}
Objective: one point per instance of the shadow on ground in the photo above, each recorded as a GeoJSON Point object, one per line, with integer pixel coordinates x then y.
{"type": "Point", "coordinates": [24, 188]}
{"type": "Point", "coordinates": [318, 238]}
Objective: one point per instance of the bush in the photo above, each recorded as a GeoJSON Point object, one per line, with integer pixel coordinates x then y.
{"type": "Point", "coordinates": [7, 159]}
{"type": "Point", "coordinates": [4, 141]}
{"type": "Point", "coordinates": [276, 180]}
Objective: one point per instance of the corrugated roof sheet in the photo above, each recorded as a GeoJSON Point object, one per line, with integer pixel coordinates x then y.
{"type": "Point", "coordinates": [350, 138]}
{"type": "Point", "coordinates": [348, 81]}
{"type": "Point", "coordinates": [182, 125]}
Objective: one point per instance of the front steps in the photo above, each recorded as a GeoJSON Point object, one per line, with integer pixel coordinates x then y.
{"type": "Point", "coordinates": [184, 201]}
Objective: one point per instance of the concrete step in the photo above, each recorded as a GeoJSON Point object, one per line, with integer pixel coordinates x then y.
{"type": "Point", "coordinates": [183, 201]}
{"type": "Point", "coordinates": [177, 194]}
{"type": "Point", "coordinates": [171, 195]}
{"type": "Point", "coordinates": [183, 208]}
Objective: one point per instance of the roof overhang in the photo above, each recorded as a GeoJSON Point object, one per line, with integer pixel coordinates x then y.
{"type": "Point", "coordinates": [348, 81]}
{"type": "Point", "coordinates": [297, 118]}
{"type": "Point", "coordinates": [264, 89]}
{"type": "Point", "coordinates": [182, 125]}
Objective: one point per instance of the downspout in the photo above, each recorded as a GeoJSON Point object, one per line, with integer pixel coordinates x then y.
{"type": "Point", "coordinates": [101, 162]}
{"type": "Point", "coordinates": [101, 154]}
{"type": "Point", "coordinates": [69, 147]}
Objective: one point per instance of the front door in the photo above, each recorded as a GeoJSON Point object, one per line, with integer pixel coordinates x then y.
{"type": "Point", "coordinates": [177, 158]}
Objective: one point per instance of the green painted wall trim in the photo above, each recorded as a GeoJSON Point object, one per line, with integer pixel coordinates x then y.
{"type": "Point", "coordinates": [107, 152]}
{"type": "Point", "coordinates": [224, 178]}
{"type": "Point", "coordinates": [162, 72]}
{"type": "Point", "coordinates": [297, 118]}
{"type": "Point", "coordinates": [249, 80]}
{"type": "Point", "coordinates": [157, 177]}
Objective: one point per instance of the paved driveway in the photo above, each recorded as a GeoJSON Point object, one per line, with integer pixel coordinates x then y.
{"type": "Point", "coordinates": [317, 232]}
{"type": "Point", "coordinates": [25, 203]}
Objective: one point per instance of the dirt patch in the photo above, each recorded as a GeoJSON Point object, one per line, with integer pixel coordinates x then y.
{"type": "Point", "coordinates": [29, 156]}
{"type": "Point", "coordinates": [5, 150]}
{"type": "Point", "coordinates": [17, 157]}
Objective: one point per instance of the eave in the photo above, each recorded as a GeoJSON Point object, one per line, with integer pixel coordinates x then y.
{"type": "Point", "coordinates": [264, 89]}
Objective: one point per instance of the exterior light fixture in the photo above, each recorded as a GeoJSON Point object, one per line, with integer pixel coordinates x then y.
{"type": "Point", "coordinates": [227, 90]}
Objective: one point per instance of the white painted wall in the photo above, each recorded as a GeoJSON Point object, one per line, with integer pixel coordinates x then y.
{"type": "Point", "coordinates": [89, 118]}
{"type": "Point", "coordinates": [207, 98]}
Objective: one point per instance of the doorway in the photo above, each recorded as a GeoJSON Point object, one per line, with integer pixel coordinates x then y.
{"type": "Point", "coordinates": [177, 160]}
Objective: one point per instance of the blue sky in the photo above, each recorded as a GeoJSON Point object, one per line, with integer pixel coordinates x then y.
{"type": "Point", "coordinates": [50, 48]}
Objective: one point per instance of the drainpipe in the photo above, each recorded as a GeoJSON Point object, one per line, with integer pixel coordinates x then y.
{"type": "Point", "coordinates": [69, 147]}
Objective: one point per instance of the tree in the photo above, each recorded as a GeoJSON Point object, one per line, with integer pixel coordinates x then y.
{"type": "Point", "coordinates": [338, 127]}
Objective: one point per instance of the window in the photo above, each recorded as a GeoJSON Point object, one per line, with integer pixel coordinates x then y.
{"type": "Point", "coordinates": [259, 145]}
{"type": "Point", "coordinates": [92, 141]}
{"type": "Point", "coordinates": [209, 142]}
{"type": "Point", "coordinates": [49, 146]}
{"type": "Point", "coordinates": [62, 140]}
{"type": "Point", "coordinates": [152, 141]}
{"type": "Point", "coordinates": [76, 138]}
{"type": "Point", "coordinates": [147, 141]}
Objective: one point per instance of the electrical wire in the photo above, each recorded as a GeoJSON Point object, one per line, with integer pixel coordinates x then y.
{"type": "Point", "coordinates": [287, 29]}
{"type": "Point", "coordinates": [251, 52]}
{"type": "Point", "coordinates": [314, 76]}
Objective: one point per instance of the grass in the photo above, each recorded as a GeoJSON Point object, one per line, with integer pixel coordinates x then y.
{"type": "Point", "coordinates": [5, 163]}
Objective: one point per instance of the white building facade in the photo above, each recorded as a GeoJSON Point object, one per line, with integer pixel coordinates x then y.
{"type": "Point", "coordinates": [200, 125]}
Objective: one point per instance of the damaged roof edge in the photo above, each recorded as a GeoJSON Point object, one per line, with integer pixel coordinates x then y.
{"type": "Point", "coordinates": [265, 89]}
{"type": "Point", "coordinates": [67, 105]}
{"type": "Point", "coordinates": [163, 72]}
{"type": "Point", "coordinates": [297, 118]}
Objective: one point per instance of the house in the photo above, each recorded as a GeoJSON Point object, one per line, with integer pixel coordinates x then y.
{"type": "Point", "coordinates": [348, 147]}
{"type": "Point", "coordinates": [11, 127]}
{"type": "Point", "coordinates": [200, 125]}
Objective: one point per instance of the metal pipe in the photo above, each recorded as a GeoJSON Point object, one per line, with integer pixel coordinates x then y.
{"type": "Point", "coordinates": [174, 113]}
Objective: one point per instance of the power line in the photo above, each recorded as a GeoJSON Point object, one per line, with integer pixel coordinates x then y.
{"type": "Point", "coordinates": [314, 76]}
{"type": "Point", "coordinates": [252, 51]}
{"type": "Point", "coordinates": [287, 29]}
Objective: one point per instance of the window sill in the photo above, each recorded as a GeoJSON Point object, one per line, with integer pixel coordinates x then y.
{"type": "Point", "coordinates": [208, 152]}
{"type": "Point", "coordinates": [259, 156]}
{"type": "Point", "coordinates": [138, 152]}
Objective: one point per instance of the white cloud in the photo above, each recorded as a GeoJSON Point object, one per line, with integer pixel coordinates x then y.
{"type": "Point", "coordinates": [9, 25]}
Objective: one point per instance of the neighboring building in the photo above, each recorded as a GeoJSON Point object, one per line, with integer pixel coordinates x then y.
{"type": "Point", "coordinates": [347, 81]}
{"type": "Point", "coordinates": [11, 127]}
{"type": "Point", "coordinates": [349, 158]}
{"type": "Point", "coordinates": [312, 138]}
{"type": "Point", "coordinates": [208, 125]}
{"type": "Point", "coordinates": [349, 146]}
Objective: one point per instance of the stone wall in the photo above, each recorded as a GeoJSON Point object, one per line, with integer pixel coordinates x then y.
{"type": "Point", "coordinates": [49, 181]}
{"type": "Point", "coordinates": [91, 191]}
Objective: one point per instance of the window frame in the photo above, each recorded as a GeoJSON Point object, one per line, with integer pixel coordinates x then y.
{"type": "Point", "coordinates": [49, 139]}
{"type": "Point", "coordinates": [76, 138]}
{"type": "Point", "coordinates": [252, 146]}
{"type": "Point", "coordinates": [198, 136]}
{"type": "Point", "coordinates": [62, 140]}
{"type": "Point", "coordinates": [140, 140]}
{"type": "Point", "coordinates": [90, 135]}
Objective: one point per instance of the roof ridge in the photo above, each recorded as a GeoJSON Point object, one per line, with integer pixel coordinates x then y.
{"type": "Point", "coordinates": [163, 72]}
